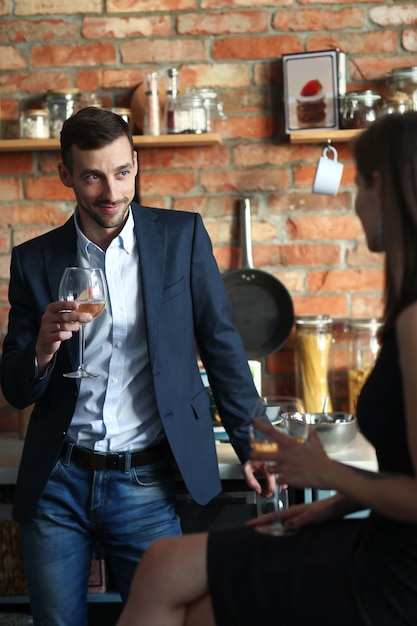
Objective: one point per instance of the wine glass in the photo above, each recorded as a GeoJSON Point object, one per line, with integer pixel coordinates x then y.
{"type": "Point", "coordinates": [270, 409]}
{"type": "Point", "coordinates": [86, 286]}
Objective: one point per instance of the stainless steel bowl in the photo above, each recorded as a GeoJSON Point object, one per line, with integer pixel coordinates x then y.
{"type": "Point", "coordinates": [335, 430]}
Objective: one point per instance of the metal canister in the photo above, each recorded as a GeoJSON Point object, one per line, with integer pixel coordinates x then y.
{"type": "Point", "coordinates": [313, 345]}
{"type": "Point", "coordinates": [363, 350]}
{"type": "Point", "coordinates": [61, 105]}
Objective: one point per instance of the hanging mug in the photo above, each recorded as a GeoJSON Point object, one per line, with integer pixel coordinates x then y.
{"type": "Point", "coordinates": [328, 174]}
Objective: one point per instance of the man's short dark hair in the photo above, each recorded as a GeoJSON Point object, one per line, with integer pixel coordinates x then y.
{"type": "Point", "coordinates": [91, 128]}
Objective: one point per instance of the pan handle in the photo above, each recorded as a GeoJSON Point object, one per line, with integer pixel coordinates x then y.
{"type": "Point", "coordinates": [246, 228]}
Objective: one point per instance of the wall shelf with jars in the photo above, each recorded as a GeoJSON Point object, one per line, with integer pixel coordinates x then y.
{"type": "Point", "coordinates": [140, 141]}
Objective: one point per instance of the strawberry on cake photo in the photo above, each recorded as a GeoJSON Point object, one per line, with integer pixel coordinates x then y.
{"type": "Point", "coordinates": [311, 105]}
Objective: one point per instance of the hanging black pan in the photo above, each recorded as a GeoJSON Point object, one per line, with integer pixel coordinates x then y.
{"type": "Point", "coordinates": [262, 308]}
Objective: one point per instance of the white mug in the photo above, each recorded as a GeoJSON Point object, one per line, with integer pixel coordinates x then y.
{"type": "Point", "coordinates": [328, 174]}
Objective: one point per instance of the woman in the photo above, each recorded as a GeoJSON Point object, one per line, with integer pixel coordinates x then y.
{"type": "Point", "coordinates": [333, 571]}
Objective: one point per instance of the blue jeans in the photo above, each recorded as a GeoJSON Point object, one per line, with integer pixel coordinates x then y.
{"type": "Point", "coordinates": [123, 512]}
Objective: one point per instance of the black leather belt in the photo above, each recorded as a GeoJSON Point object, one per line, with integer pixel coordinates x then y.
{"type": "Point", "coordinates": [88, 459]}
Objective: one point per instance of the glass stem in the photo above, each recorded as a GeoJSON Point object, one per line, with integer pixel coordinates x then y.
{"type": "Point", "coordinates": [81, 346]}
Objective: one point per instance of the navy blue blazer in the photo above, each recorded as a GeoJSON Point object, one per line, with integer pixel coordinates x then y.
{"type": "Point", "coordinates": [186, 308]}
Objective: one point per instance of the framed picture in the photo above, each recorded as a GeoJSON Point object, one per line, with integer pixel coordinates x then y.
{"type": "Point", "coordinates": [311, 90]}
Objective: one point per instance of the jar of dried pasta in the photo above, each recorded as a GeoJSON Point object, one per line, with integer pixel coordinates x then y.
{"type": "Point", "coordinates": [313, 344]}
{"type": "Point", "coordinates": [363, 350]}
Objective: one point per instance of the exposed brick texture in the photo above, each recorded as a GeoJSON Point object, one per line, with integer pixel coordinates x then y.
{"type": "Point", "coordinates": [313, 244]}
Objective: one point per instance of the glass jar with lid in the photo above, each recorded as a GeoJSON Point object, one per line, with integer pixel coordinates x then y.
{"type": "Point", "coordinates": [61, 105]}
{"type": "Point", "coordinates": [360, 108]}
{"type": "Point", "coordinates": [313, 345]}
{"type": "Point", "coordinates": [34, 124]}
{"type": "Point", "coordinates": [363, 350]}
{"type": "Point", "coordinates": [190, 113]}
{"type": "Point", "coordinates": [401, 83]}
{"type": "Point", "coordinates": [213, 106]}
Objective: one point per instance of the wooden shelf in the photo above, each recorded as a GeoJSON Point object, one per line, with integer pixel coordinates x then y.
{"type": "Point", "coordinates": [140, 141]}
{"type": "Point", "coordinates": [326, 136]}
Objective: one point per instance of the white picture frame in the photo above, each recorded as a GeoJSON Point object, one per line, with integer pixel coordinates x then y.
{"type": "Point", "coordinates": [311, 90]}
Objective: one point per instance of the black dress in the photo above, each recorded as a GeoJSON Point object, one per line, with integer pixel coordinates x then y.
{"type": "Point", "coordinates": [351, 572]}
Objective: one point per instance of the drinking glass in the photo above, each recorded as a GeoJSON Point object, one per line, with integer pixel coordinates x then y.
{"type": "Point", "coordinates": [86, 286]}
{"type": "Point", "coordinates": [269, 409]}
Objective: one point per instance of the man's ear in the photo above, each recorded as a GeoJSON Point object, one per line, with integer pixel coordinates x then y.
{"type": "Point", "coordinates": [64, 175]}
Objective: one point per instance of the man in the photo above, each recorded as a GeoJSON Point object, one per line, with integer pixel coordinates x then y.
{"type": "Point", "coordinates": [97, 464]}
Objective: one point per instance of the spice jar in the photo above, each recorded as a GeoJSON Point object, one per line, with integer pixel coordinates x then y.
{"type": "Point", "coordinates": [191, 114]}
{"type": "Point", "coordinates": [360, 108]}
{"type": "Point", "coordinates": [401, 84]}
{"type": "Point", "coordinates": [61, 105]}
{"type": "Point", "coordinates": [313, 344]}
{"type": "Point", "coordinates": [363, 351]}
{"type": "Point", "coordinates": [34, 124]}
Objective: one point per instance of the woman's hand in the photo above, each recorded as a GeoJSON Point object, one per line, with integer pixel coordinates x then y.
{"type": "Point", "coordinates": [298, 465]}
{"type": "Point", "coordinates": [300, 515]}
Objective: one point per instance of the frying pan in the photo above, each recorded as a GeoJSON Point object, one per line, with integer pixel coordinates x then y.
{"type": "Point", "coordinates": [262, 308]}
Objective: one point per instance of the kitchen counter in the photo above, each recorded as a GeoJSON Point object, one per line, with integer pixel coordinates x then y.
{"type": "Point", "coordinates": [358, 453]}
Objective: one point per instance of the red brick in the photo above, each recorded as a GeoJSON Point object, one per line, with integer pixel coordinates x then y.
{"type": "Point", "coordinates": [314, 19]}
{"type": "Point", "coordinates": [245, 180]}
{"type": "Point", "coordinates": [35, 82]}
{"type": "Point", "coordinates": [10, 189]}
{"type": "Point", "coordinates": [167, 183]}
{"type": "Point", "coordinates": [34, 7]}
{"type": "Point", "coordinates": [316, 227]}
{"type": "Point", "coordinates": [73, 55]}
{"type": "Point", "coordinates": [222, 4]}
{"type": "Point", "coordinates": [162, 51]}
{"type": "Point", "coordinates": [23, 214]}
{"type": "Point", "coordinates": [224, 75]}
{"type": "Point", "coordinates": [349, 280]}
{"type": "Point", "coordinates": [371, 68]}
{"type": "Point", "coordinates": [308, 255]}
{"type": "Point", "coordinates": [223, 23]}
{"type": "Point", "coordinates": [47, 188]}
{"type": "Point", "coordinates": [397, 15]}
{"type": "Point", "coordinates": [409, 40]}
{"type": "Point", "coordinates": [333, 305]}
{"type": "Point", "coordinates": [121, 27]}
{"type": "Point", "coordinates": [355, 43]}
{"type": "Point", "coordinates": [360, 256]}
{"type": "Point", "coordinates": [11, 59]}
{"type": "Point", "coordinates": [255, 47]}
{"type": "Point", "coordinates": [125, 6]}
{"type": "Point", "coordinates": [4, 241]}
{"type": "Point", "coordinates": [37, 30]}
{"type": "Point", "coordinates": [21, 163]}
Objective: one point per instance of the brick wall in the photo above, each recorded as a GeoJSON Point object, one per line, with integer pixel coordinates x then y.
{"type": "Point", "coordinates": [313, 244]}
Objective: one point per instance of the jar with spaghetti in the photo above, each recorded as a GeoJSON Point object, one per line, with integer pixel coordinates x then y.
{"type": "Point", "coordinates": [363, 350]}
{"type": "Point", "coordinates": [313, 344]}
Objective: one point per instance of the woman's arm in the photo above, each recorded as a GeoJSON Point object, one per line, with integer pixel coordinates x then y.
{"type": "Point", "coordinates": [388, 494]}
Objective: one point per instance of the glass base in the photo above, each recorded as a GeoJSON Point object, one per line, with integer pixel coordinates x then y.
{"type": "Point", "coordinates": [80, 373]}
{"type": "Point", "coordinates": [275, 530]}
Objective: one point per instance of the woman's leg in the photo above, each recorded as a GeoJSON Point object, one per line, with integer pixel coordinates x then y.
{"type": "Point", "coordinates": [170, 585]}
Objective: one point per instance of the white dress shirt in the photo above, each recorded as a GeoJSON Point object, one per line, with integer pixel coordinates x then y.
{"type": "Point", "coordinates": [117, 410]}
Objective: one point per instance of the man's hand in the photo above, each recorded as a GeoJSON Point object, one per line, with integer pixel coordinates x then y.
{"type": "Point", "coordinates": [251, 471]}
{"type": "Point", "coordinates": [58, 323]}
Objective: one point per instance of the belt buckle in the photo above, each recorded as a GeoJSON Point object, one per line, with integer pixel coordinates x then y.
{"type": "Point", "coordinates": [119, 461]}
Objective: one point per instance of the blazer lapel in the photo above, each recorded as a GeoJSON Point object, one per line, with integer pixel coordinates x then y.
{"type": "Point", "coordinates": [151, 238]}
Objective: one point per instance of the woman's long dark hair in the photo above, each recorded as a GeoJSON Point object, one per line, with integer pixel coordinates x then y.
{"type": "Point", "coordinates": [389, 146]}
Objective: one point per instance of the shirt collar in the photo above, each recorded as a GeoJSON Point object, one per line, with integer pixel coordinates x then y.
{"type": "Point", "coordinates": [125, 239]}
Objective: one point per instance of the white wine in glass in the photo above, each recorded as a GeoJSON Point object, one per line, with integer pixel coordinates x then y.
{"type": "Point", "coordinates": [86, 286]}
{"type": "Point", "coordinates": [274, 409]}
